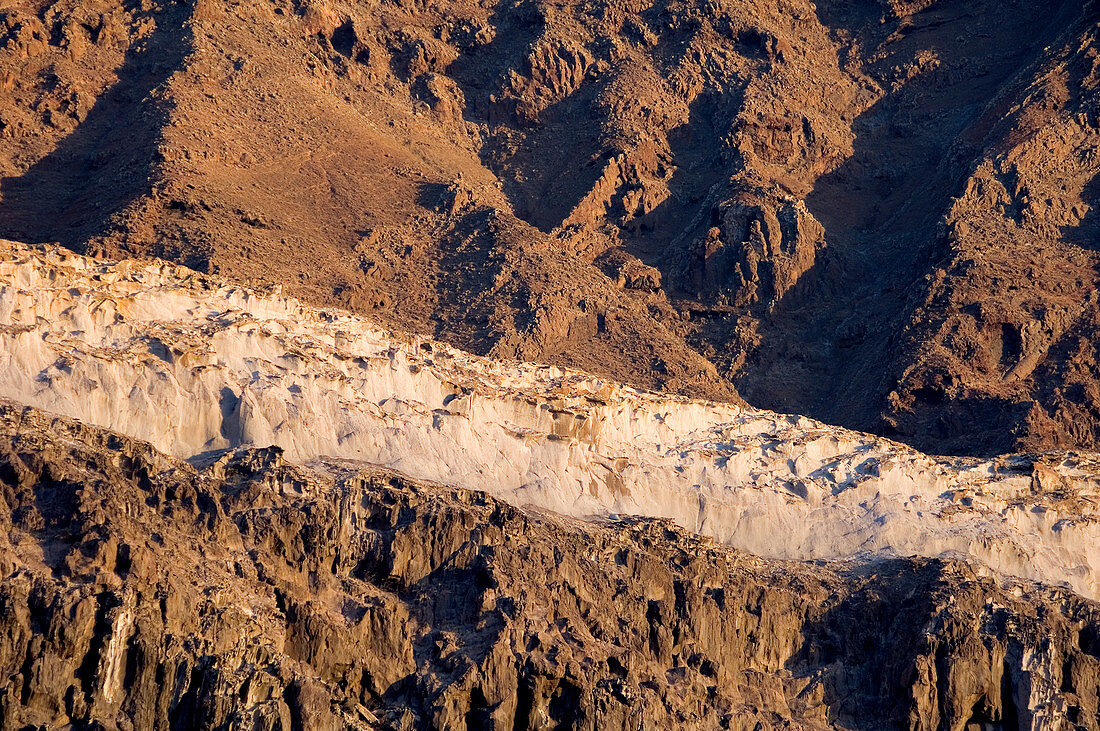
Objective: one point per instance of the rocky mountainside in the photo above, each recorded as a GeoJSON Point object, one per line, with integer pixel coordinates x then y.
{"type": "Point", "coordinates": [139, 591]}
{"type": "Point", "coordinates": [878, 213]}
{"type": "Point", "coordinates": [573, 364]}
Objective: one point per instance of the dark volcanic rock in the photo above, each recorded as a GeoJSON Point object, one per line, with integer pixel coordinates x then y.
{"type": "Point", "coordinates": [137, 591]}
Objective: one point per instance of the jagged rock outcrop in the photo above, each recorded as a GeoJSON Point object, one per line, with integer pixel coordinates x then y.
{"type": "Point", "coordinates": [138, 591]}
{"type": "Point", "coordinates": [1007, 327]}
{"type": "Point", "coordinates": [758, 252]}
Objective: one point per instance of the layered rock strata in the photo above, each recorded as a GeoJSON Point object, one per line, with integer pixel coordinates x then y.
{"type": "Point", "coordinates": [138, 591]}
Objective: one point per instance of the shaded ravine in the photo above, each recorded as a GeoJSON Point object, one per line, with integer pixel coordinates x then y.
{"type": "Point", "coordinates": [827, 349]}
{"type": "Point", "coordinates": [72, 194]}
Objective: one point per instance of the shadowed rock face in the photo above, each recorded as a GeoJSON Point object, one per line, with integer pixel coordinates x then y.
{"type": "Point", "coordinates": [142, 592]}
{"type": "Point", "coordinates": [878, 214]}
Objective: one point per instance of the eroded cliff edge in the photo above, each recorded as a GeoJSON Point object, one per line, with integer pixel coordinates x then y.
{"type": "Point", "coordinates": [304, 520]}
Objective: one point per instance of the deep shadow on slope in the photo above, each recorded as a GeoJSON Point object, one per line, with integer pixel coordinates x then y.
{"type": "Point", "coordinates": [543, 176]}
{"type": "Point", "coordinates": [902, 600]}
{"type": "Point", "coordinates": [1086, 234]}
{"type": "Point", "coordinates": [662, 238]}
{"type": "Point", "coordinates": [109, 160]}
{"type": "Point", "coordinates": [829, 349]}
{"type": "Point", "coordinates": [526, 155]}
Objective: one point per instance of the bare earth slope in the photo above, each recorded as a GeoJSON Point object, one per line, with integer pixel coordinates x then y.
{"type": "Point", "coordinates": [876, 213]}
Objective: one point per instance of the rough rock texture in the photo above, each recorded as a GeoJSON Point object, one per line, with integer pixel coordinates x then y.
{"type": "Point", "coordinates": [138, 591]}
{"type": "Point", "coordinates": [874, 212]}
{"type": "Point", "coordinates": [192, 365]}
{"type": "Point", "coordinates": [878, 213]}
{"type": "Point", "coordinates": [911, 325]}
{"type": "Point", "coordinates": [318, 146]}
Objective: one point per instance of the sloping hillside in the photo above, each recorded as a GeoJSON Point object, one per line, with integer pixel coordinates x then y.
{"type": "Point", "coordinates": [875, 213]}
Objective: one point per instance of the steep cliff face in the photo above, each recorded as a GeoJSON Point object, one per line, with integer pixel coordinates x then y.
{"type": "Point", "coordinates": [138, 591]}
{"type": "Point", "coordinates": [392, 478]}
{"type": "Point", "coordinates": [874, 213]}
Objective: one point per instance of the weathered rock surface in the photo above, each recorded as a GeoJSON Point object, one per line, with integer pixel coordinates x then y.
{"type": "Point", "coordinates": [193, 365]}
{"type": "Point", "coordinates": [138, 591]}
{"type": "Point", "coordinates": [877, 213]}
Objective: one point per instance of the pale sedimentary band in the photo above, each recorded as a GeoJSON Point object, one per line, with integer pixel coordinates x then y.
{"type": "Point", "coordinates": [194, 365]}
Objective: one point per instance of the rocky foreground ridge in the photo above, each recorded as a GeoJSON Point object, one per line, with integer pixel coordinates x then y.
{"type": "Point", "coordinates": [140, 592]}
{"type": "Point", "coordinates": [194, 365]}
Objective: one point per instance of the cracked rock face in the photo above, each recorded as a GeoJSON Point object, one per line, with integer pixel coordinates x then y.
{"type": "Point", "coordinates": [195, 366]}
{"type": "Point", "coordinates": [139, 591]}
{"type": "Point", "coordinates": [226, 509]}
{"type": "Point", "coordinates": [259, 503]}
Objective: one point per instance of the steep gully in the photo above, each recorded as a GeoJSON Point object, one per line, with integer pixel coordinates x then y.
{"type": "Point", "coordinates": [913, 150]}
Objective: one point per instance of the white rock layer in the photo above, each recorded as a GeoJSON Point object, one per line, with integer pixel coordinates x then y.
{"type": "Point", "coordinates": [192, 364]}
